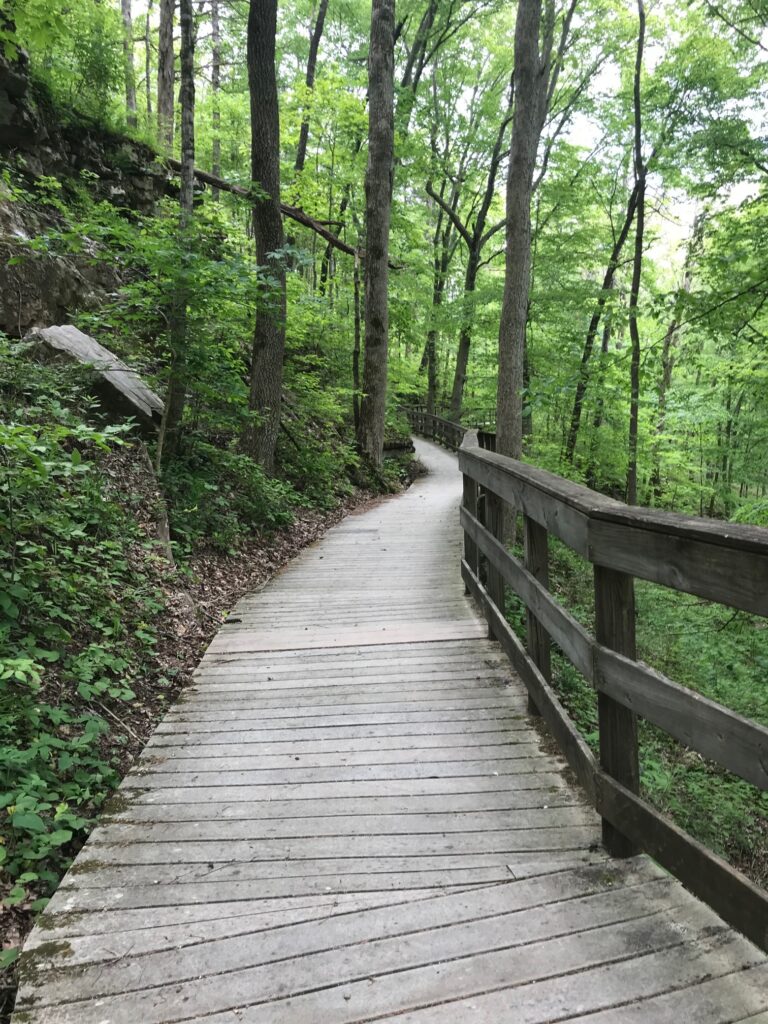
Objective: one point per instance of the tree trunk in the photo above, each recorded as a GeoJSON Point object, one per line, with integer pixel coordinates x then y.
{"type": "Point", "coordinates": [475, 236]}
{"type": "Point", "coordinates": [443, 248]}
{"type": "Point", "coordinates": [165, 74]}
{"type": "Point", "coordinates": [597, 419]}
{"type": "Point", "coordinates": [314, 45]}
{"type": "Point", "coordinates": [465, 336]}
{"type": "Point", "coordinates": [594, 324]}
{"type": "Point", "coordinates": [176, 397]}
{"type": "Point", "coordinates": [269, 333]}
{"type": "Point", "coordinates": [148, 59]}
{"type": "Point", "coordinates": [378, 199]}
{"type": "Point", "coordinates": [130, 74]}
{"type": "Point", "coordinates": [216, 91]}
{"type": "Point", "coordinates": [531, 84]}
{"type": "Point", "coordinates": [637, 270]}
{"type": "Point", "coordinates": [356, 349]}
{"type": "Point", "coordinates": [668, 358]}
{"type": "Point", "coordinates": [414, 66]}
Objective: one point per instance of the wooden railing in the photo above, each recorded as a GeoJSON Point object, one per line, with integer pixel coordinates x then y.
{"type": "Point", "coordinates": [713, 560]}
{"type": "Point", "coordinates": [445, 432]}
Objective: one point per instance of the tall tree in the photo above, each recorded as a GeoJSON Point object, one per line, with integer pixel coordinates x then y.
{"type": "Point", "coordinates": [668, 354]}
{"type": "Point", "coordinates": [473, 229]}
{"type": "Point", "coordinates": [268, 349]}
{"type": "Point", "coordinates": [531, 88]}
{"type": "Point", "coordinates": [641, 171]}
{"type": "Point", "coordinates": [165, 73]}
{"type": "Point", "coordinates": [176, 396]}
{"type": "Point", "coordinates": [378, 202]}
{"type": "Point", "coordinates": [216, 88]}
{"type": "Point", "coordinates": [130, 73]}
{"type": "Point", "coordinates": [314, 45]}
{"type": "Point", "coordinates": [148, 58]}
{"type": "Point", "coordinates": [594, 324]}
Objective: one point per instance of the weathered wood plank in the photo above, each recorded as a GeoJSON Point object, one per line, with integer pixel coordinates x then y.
{"type": "Point", "coordinates": [307, 980]}
{"type": "Point", "coordinates": [730, 893]}
{"type": "Point", "coordinates": [537, 564]}
{"type": "Point", "coordinates": [556, 504]}
{"type": "Point", "coordinates": [718, 561]}
{"type": "Point", "coordinates": [469, 922]}
{"type": "Point", "coordinates": [619, 755]}
{"type": "Point", "coordinates": [736, 743]}
{"type": "Point", "coordinates": [204, 792]}
{"type": "Point", "coordinates": [350, 808]}
{"type": "Point", "coordinates": [150, 778]}
{"type": "Point", "coordinates": [288, 826]}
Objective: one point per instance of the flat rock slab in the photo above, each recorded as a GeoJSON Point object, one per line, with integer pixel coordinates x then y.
{"type": "Point", "coordinates": [121, 389]}
{"type": "Point", "coordinates": [349, 817]}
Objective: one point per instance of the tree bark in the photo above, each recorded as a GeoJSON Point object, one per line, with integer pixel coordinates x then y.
{"type": "Point", "coordinates": [130, 73]}
{"type": "Point", "coordinates": [597, 419]}
{"type": "Point", "coordinates": [314, 45]}
{"type": "Point", "coordinates": [414, 66]}
{"type": "Point", "coordinates": [475, 236]}
{"type": "Point", "coordinates": [594, 324]}
{"type": "Point", "coordinates": [356, 349]}
{"type": "Point", "coordinates": [443, 247]}
{"type": "Point", "coordinates": [165, 74]}
{"type": "Point", "coordinates": [148, 58]}
{"type": "Point", "coordinates": [216, 91]}
{"type": "Point", "coordinates": [268, 349]}
{"type": "Point", "coordinates": [176, 398]}
{"type": "Point", "coordinates": [637, 269]}
{"type": "Point", "coordinates": [668, 357]}
{"type": "Point", "coordinates": [531, 86]}
{"type": "Point", "coordinates": [465, 334]}
{"type": "Point", "coordinates": [378, 200]}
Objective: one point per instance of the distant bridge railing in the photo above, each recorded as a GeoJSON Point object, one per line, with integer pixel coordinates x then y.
{"type": "Point", "coordinates": [446, 432]}
{"type": "Point", "coordinates": [717, 561]}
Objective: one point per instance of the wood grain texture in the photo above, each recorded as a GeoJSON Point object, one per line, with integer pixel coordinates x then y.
{"type": "Point", "coordinates": [365, 826]}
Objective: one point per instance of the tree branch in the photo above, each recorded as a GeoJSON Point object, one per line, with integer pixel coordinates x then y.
{"type": "Point", "coordinates": [461, 228]}
{"type": "Point", "coordinates": [292, 212]}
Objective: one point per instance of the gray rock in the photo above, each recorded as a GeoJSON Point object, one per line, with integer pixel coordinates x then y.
{"type": "Point", "coordinates": [120, 389]}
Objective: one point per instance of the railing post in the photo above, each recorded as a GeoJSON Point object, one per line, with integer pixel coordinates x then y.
{"type": "Point", "coordinates": [537, 563]}
{"type": "Point", "coordinates": [495, 523]}
{"type": "Point", "coordinates": [469, 501]}
{"type": "Point", "coordinates": [615, 628]}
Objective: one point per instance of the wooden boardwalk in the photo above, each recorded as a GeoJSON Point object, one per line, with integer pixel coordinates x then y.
{"type": "Point", "coordinates": [350, 818]}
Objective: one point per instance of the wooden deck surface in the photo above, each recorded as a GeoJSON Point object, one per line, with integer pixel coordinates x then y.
{"type": "Point", "coordinates": [350, 818]}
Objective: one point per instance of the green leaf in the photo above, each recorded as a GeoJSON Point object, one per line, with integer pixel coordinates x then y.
{"type": "Point", "coordinates": [58, 838]}
{"type": "Point", "coordinates": [28, 821]}
{"type": "Point", "coordinates": [9, 956]}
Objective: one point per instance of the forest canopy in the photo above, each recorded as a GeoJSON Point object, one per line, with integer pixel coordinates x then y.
{"type": "Point", "coordinates": [638, 352]}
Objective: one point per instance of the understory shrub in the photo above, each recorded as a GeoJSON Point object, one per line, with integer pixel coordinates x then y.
{"type": "Point", "coordinates": [77, 601]}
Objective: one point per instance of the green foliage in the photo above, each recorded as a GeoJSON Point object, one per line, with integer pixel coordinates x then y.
{"type": "Point", "coordinates": [75, 614]}
{"type": "Point", "coordinates": [218, 496]}
{"type": "Point", "coordinates": [76, 50]}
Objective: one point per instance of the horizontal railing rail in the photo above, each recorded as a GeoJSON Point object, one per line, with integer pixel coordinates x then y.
{"type": "Point", "coordinates": [444, 431]}
{"type": "Point", "coordinates": [713, 560]}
